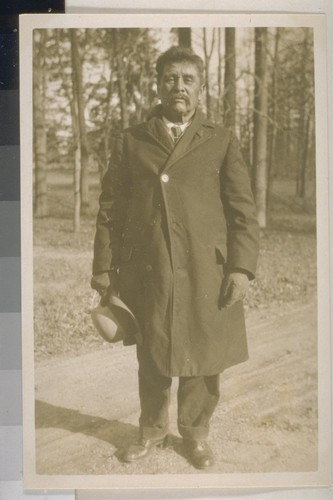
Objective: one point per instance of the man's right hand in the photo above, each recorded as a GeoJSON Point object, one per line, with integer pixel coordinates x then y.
{"type": "Point", "coordinates": [100, 283]}
{"type": "Point", "coordinates": [105, 284]}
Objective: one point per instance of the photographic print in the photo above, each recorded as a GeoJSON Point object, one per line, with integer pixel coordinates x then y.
{"type": "Point", "coordinates": [174, 251]}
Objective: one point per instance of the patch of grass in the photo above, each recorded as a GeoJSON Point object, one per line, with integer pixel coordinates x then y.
{"type": "Point", "coordinates": [63, 298]}
{"type": "Point", "coordinates": [287, 270]}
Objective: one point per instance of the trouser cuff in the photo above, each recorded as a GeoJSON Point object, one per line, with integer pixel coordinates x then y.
{"type": "Point", "coordinates": [196, 433]}
{"type": "Point", "coordinates": [153, 432]}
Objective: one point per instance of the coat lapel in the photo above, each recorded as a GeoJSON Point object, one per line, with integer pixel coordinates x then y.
{"type": "Point", "coordinates": [198, 132]}
{"type": "Point", "coordinates": [156, 129]}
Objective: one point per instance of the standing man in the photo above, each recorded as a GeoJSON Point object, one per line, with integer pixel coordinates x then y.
{"type": "Point", "coordinates": [177, 239]}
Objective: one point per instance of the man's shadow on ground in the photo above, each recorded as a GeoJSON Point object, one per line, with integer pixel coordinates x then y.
{"type": "Point", "coordinates": [114, 432]}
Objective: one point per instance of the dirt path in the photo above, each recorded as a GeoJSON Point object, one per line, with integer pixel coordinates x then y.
{"type": "Point", "coordinates": [87, 407]}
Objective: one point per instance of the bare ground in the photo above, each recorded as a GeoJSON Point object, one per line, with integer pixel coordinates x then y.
{"type": "Point", "coordinates": [87, 406]}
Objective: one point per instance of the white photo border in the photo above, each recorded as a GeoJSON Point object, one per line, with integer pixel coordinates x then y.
{"type": "Point", "coordinates": [321, 477]}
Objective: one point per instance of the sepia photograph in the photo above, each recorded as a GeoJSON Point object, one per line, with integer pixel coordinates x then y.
{"type": "Point", "coordinates": [175, 295]}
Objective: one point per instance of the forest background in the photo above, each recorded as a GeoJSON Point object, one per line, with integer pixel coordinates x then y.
{"type": "Point", "coordinates": [90, 83]}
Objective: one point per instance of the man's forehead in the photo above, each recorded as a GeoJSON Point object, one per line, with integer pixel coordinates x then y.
{"type": "Point", "coordinates": [181, 67]}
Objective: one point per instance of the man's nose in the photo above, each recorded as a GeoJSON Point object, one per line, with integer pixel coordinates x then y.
{"type": "Point", "coordinates": [179, 83]}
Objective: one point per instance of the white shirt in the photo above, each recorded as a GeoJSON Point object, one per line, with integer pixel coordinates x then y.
{"type": "Point", "coordinates": [169, 125]}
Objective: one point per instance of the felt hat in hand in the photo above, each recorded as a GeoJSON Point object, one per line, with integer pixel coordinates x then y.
{"type": "Point", "coordinates": [115, 321]}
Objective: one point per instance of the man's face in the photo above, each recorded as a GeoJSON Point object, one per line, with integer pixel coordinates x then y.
{"type": "Point", "coordinates": [180, 88]}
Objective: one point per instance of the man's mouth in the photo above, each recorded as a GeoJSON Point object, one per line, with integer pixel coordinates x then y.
{"type": "Point", "coordinates": [178, 98]}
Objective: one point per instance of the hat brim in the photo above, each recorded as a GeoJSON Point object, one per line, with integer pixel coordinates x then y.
{"type": "Point", "coordinates": [116, 322]}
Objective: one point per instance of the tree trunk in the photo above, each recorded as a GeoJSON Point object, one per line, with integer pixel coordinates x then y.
{"type": "Point", "coordinates": [120, 79]}
{"type": "Point", "coordinates": [40, 142]}
{"type": "Point", "coordinates": [303, 124]}
{"type": "Point", "coordinates": [107, 122]}
{"type": "Point", "coordinates": [302, 189]}
{"type": "Point", "coordinates": [83, 143]}
{"type": "Point", "coordinates": [287, 136]}
{"type": "Point", "coordinates": [208, 55]}
{"type": "Point", "coordinates": [229, 100]}
{"type": "Point", "coordinates": [260, 125]}
{"type": "Point", "coordinates": [273, 126]}
{"type": "Point", "coordinates": [77, 167]}
{"type": "Point", "coordinates": [218, 117]}
{"type": "Point", "coordinates": [77, 144]}
{"type": "Point", "coordinates": [77, 187]}
{"type": "Point", "coordinates": [184, 37]}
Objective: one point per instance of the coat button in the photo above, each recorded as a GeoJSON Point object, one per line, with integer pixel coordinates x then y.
{"type": "Point", "coordinates": [149, 268]}
{"type": "Point", "coordinates": [165, 178]}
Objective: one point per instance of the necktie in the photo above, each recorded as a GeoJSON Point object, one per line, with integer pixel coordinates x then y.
{"type": "Point", "coordinates": [176, 132]}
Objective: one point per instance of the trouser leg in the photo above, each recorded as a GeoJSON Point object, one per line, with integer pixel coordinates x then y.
{"type": "Point", "coordinates": [154, 392]}
{"type": "Point", "coordinates": [197, 400]}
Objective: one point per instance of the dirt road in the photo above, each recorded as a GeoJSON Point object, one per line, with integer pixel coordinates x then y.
{"type": "Point", "coordinates": [87, 407]}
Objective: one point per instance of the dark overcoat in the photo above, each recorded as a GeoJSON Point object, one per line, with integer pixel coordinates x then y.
{"type": "Point", "coordinates": [173, 220]}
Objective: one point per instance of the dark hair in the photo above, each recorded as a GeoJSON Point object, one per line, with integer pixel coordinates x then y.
{"type": "Point", "coordinates": [179, 54]}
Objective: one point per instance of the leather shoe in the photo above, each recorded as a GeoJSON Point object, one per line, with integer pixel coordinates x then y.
{"type": "Point", "coordinates": [143, 448]}
{"type": "Point", "coordinates": [199, 453]}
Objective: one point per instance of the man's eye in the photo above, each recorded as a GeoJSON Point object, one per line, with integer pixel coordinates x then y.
{"type": "Point", "coordinates": [188, 80]}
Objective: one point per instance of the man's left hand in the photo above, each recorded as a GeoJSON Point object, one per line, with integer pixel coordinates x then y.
{"type": "Point", "coordinates": [234, 288]}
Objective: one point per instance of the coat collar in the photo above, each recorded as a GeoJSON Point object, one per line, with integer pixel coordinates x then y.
{"type": "Point", "coordinates": [198, 132]}
{"type": "Point", "coordinates": [156, 129]}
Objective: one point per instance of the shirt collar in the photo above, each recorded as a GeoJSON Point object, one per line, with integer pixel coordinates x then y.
{"type": "Point", "coordinates": [169, 124]}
